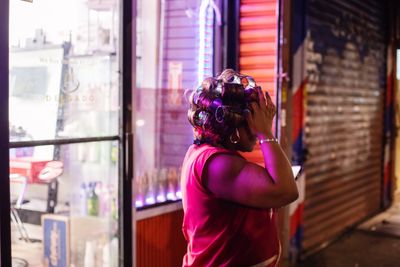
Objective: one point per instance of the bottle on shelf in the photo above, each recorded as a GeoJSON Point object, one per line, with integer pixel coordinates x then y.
{"type": "Point", "coordinates": [89, 260]}
{"type": "Point", "coordinates": [104, 200]}
{"type": "Point", "coordinates": [92, 200]}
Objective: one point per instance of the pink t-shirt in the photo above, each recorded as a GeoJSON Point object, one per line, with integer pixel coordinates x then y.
{"type": "Point", "coordinates": [220, 232]}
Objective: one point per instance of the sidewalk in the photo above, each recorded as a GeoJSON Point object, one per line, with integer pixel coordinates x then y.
{"type": "Point", "coordinates": [374, 243]}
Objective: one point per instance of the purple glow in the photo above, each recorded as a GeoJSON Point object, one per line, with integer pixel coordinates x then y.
{"type": "Point", "coordinates": [161, 198]}
{"type": "Point", "coordinates": [179, 194]}
{"type": "Point", "coordinates": [206, 24]}
{"type": "Point", "coordinates": [139, 203]}
{"type": "Point", "coordinates": [150, 200]}
{"type": "Point", "coordinates": [171, 196]}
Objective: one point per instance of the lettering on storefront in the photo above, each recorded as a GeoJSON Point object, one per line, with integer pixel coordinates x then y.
{"type": "Point", "coordinates": [174, 82]}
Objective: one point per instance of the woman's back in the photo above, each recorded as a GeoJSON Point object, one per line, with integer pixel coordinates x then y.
{"type": "Point", "coordinates": [220, 232]}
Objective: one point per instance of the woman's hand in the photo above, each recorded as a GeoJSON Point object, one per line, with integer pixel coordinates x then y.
{"type": "Point", "coordinates": [233, 178]}
{"type": "Point", "coordinates": [261, 116]}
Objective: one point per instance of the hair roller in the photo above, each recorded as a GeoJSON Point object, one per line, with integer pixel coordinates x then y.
{"type": "Point", "coordinates": [201, 117]}
{"type": "Point", "coordinates": [252, 82]}
{"type": "Point", "coordinates": [220, 114]}
{"type": "Point", "coordinates": [196, 95]}
{"type": "Point", "coordinates": [209, 85]}
{"type": "Point", "coordinates": [226, 115]}
{"type": "Point", "coordinates": [198, 117]}
{"type": "Point", "coordinates": [191, 116]}
{"type": "Point", "coordinates": [215, 104]}
{"type": "Point", "coordinates": [227, 75]}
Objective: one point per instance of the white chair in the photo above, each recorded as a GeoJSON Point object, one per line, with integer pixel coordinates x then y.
{"type": "Point", "coordinates": [17, 198]}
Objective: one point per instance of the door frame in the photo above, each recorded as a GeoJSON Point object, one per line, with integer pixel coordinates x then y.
{"type": "Point", "coordinates": [127, 57]}
{"type": "Point", "coordinates": [5, 227]}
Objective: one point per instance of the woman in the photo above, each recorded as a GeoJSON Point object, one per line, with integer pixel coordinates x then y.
{"type": "Point", "coordinates": [229, 202]}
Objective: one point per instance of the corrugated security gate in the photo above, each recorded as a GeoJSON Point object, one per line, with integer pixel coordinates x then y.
{"type": "Point", "coordinates": [344, 72]}
{"type": "Point", "coordinates": [258, 48]}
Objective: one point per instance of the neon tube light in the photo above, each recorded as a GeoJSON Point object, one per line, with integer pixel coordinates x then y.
{"type": "Point", "coordinates": [206, 35]}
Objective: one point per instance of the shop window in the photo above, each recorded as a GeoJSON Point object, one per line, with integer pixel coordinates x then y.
{"type": "Point", "coordinates": [63, 76]}
{"type": "Point", "coordinates": [175, 41]}
{"type": "Point", "coordinates": [75, 191]}
{"type": "Point", "coordinates": [64, 132]}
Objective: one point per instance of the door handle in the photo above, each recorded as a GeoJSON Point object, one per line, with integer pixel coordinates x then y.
{"type": "Point", "coordinates": [129, 156]}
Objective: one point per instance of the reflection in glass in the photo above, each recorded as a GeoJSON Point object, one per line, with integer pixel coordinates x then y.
{"type": "Point", "coordinates": [76, 189]}
{"type": "Point", "coordinates": [64, 76]}
{"type": "Point", "coordinates": [158, 186]}
{"type": "Point", "coordinates": [174, 50]}
{"type": "Point", "coordinates": [162, 138]}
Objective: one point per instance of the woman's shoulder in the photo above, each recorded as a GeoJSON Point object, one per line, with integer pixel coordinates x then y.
{"type": "Point", "coordinates": [202, 154]}
{"type": "Point", "coordinates": [209, 147]}
{"type": "Point", "coordinates": [206, 153]}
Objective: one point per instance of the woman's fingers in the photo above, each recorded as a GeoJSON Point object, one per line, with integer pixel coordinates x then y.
{"type": "Point", "coordinates": [265, 102]}
{"type": "Point", "coordinates": [255, 107]}
{"type": "Point", "coordinates": [261, 99]}
{"type": "Point", "coordinates": [268, 98]}
{"type": "Point", "coordinates": [260, 94]}
{"type": "Point", "coordinates": [259, 116]}
{"type": "Point", "coordinates": [270, 104]}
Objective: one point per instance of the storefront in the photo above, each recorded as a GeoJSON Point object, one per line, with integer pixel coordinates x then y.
{"type": "Point", "coordinates": [84, 131]}
{"type": "Point", "coordinates": [95, 109]}
{"type": "Point", "coordinates": [98, 126]}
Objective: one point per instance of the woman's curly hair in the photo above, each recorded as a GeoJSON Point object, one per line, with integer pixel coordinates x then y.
{"type": "Point", "coordinates": [213, 114]}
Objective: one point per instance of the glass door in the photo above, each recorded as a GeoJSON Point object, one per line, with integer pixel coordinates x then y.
{"type": "Point", "coordinates": [68, 133]}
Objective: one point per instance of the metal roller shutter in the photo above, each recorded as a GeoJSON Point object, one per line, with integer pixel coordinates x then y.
{"type": "Point", "coordinates": [345, 65]}
{"type": "Point", "coordinates": [258, 48]}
